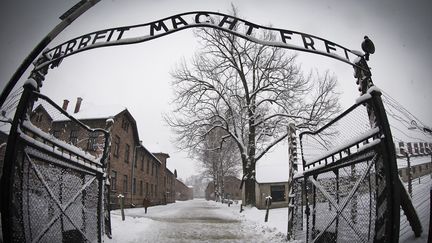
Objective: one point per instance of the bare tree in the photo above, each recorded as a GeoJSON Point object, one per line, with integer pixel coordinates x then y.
{"type": "Point", "coordinates": [251, 92]}
{"type": "Point", "coordinates": [218, 162]}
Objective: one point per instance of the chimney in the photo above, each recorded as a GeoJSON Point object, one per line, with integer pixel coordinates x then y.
{"type": "Point", "coordinates": [78, 105]}
{"type": "Point", "coordinates": [65, 104]}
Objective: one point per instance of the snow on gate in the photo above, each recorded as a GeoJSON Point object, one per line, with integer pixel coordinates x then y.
{"type": "Point", "coordinates": [53, 191]}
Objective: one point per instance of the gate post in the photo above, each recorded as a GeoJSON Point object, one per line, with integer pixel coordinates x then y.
{"type": "Point", "coordinates": [293, 168]}
{"type": "Point", "coordinates": [388, 199]}
{"type": "Point", "coordinates": [7, 179]}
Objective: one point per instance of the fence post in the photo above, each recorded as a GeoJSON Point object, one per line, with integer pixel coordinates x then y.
{"type": "Point", "coordinates": [293, 168]}
{"type": "Point", "coordinates": [121, 199]}
{"type": "Point", "coordinates": [268, 202]}
{"type": "Point", "coordinates": [7, 179]}
{"type": "Point", "coordinates": [409, 174]}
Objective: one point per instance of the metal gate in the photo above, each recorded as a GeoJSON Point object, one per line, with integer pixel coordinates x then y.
{"type": "Point", "coordinates": [52, 190]}
{"type": "Point", "coordinates": [349, 190]}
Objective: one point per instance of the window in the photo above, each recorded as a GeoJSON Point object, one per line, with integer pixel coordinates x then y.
{"type": "Point", "coordinates": [39, 117]}
{"type": "Point", "coordinates": [116, 145]}
{"type": "Point", "coordinates": [125, 184]}
{"type": "Point", "coordinates": [113, 180]}
{"type": "Point", "coordinates": [135, 159]}
{"type": "Point", "coordinates": [142, 162]}
{"type": "Point", "coordinates": [141, 188]}
{"type": "Point", "coordinates": [73, 139]}
{"type": "Point", "coordinates": [156, 190]}
{"type": "Point", "coordinates": [148, 166]}
{"type": "Point", "coordinates": [125, 124]}
{"type": "Point", "coordinates": [56, 133]}
{"type": "Point", "coordinates": [92, 141]}
{"type": "Point", "coordinates": [127, 151]}
{"type": "Point", "coordinates": [134, 186]}
{"type": "Point", "coordinates": [151, 190]}
{"type": "Point", "coordinates": [278, 193]}
{"type": "Point", "coordinates": [147, 189]}
{"type": "Point", "coordinates": [152, 172]}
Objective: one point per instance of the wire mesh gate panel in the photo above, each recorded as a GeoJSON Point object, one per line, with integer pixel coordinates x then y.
{"type": "Point", "coordinates": [345, 192]}
{"type": "Point", "coordinates": [53, 183]}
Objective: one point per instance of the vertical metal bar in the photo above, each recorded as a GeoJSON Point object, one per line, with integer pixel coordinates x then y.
{"type": "Point", "coordinates": [10, 159]}
{"type": "Point", "coordinates": [370, 206]}
{"type": "Point", "coordinates": [313, 209]}
{"type": "Point", "coordinates": [354, 199]}
{"type": "Point", "coordinates": [337, 201]}
{"type": "Point", "coordinates": [61, 201]}
{"type": "Point", "coordinates": [390, 170]}
{"type": "Point", "coordinates": [100, 207]}
{"type": "Point", "coordinates": [409, 174]}
{"type": "Point", "coordinates": [28, 200]}
{"type": "Point", "coordinates": [83, 205]}
{"type": "Point", "coordinates": [430, 216]}
{"type": "Point", "coordinates": [307, 209]}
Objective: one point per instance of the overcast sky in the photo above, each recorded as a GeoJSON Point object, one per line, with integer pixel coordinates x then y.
{"type": "Point", "coordinates": [137, 76]}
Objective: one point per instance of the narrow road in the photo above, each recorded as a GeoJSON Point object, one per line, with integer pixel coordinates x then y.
{"type": "Point", "coordinates": [190, 221]}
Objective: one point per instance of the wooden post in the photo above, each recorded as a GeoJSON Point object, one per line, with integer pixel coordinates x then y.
{"type": "Point", "coordinates": [121, 199]}
{"type": "Point", "coordinates": [268, 202]}
{"type": "Point", "coordinates": [409, 174]}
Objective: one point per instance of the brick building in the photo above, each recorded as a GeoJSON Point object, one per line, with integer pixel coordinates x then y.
{"type": "Point", "coordinates": [134, 171]}
{"type": "Point", "coordinates": [183, 192]}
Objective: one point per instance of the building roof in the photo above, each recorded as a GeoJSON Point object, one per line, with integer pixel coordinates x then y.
{"type": "Point", "coordinates": [272, 173]}
{"type": "Point", "coordinates": [90, 110]}
{"type": "Point", "coordinates": [402, 162]}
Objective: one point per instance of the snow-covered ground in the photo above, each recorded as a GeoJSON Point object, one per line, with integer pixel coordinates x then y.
{"type": "Point", "coordinates": [195, 221]}
{"type": "Point", "coordinates": [421, 201]}
{"type": "Point", "coordinates": [207, 221]}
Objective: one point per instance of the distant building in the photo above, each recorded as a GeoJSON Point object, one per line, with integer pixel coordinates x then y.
{"type": "Point", "coordinates": [183, 192]}
{"type": "Point", "coordinates": [272, 181]}
{"type": "Point", "coordinates": [420, 166]}
{"type": "Point", "coordinates": [277, 190]}
{"type": "Point", "coordinates": [231, 189]}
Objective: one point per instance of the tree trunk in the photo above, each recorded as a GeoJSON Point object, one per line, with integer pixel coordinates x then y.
{"type": "Point", "coordinates": [249, 192]}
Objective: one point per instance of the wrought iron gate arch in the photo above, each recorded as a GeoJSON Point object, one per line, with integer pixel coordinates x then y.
{"type": "Point", "coordinates": [53, 56]}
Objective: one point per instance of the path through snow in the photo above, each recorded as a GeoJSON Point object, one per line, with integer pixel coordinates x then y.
{"type": "Point", "coordinates": [190, 221]}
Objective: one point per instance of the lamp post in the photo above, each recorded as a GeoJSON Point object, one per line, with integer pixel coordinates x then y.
{"type": "Point", "coordinates": [133, 186]}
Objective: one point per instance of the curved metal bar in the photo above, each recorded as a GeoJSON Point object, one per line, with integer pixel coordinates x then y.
{"type": "Point", "coordinates": [67, 19]}
{"type": "Point", "coordinates": [174, 23]}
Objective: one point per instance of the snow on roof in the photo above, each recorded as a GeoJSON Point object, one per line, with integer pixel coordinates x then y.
{"type": "Point", "coordinates": [402, 162]}
{"type": "Point", "coordinates": [272, 173]}
{"type": "Point", "coordinates": [90, 110]}
{"type": "Point", "coordinates": [273, 167]}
